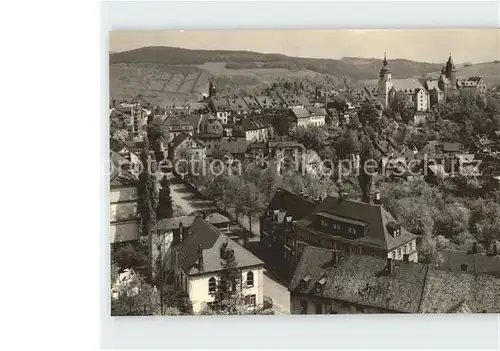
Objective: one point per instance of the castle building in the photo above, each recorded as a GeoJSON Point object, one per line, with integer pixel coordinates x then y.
{"type": "Point", "coordinates": [385, 83]}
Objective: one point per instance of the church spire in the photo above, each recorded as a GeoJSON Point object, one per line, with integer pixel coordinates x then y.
{"type": "Point", "coordinates": [385, 68]}
{"type": "Point", "coordinates": [385, 59]}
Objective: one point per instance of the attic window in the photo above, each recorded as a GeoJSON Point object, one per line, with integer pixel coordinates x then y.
{"type": "Point", "coordinates": [305, 280]}
{"type": "Point", "coordinates": [464, 267]}
{"type": "Point", "coordinates": [289, 218]}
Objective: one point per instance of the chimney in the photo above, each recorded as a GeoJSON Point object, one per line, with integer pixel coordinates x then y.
{"type": "Point", "coordinates": [200, 258]}
{"type": "Point", "coordinates": [390, 266]}
{"type": "Point", "coordinates": [406, 257]}
{"type": "Point", "coordinates": [376, 201]}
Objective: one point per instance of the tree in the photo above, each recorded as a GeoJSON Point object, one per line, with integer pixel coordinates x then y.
{"type": "Point", "coordinates": [148, 197]}
{"type": "Point", "coordinates": [251, 202]}
{"type": "Point", "coordinates": [368, 114]}
{"type": "Point", "coordinates": [347, 145]}
{"type": "Point", "coordinates": [165, 208]}
{"type": "Point", "coordinates": [453, 220]}
{"type": "Point", "coordinates": [131, 295]}
{"type": "Point", "coordinates": [366, 170]}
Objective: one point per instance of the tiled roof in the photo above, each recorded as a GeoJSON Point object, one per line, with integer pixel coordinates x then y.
{"type": "Point", "coordinates": [409, 85]}
{"type": "Point", "coordinates": [175, 121]}
{"type": "Point", "coordinates": [249, 125]}
{"type": "Point", "coordinates": [445, 289]}
{"type": "Point", "coordinates": [204, 234]}
{"type": "Point", "coordinates": [292, 99]}
{"type": "Point", "coordinates": [476, 263]}
{"type": "Point", "coordinates": [251, 102]}
{"type": "Point", "coordinates": [361, 279]}
{"type": "Point", "coordinates": [317, 111]}
{"type": "Point", "coordinates": [268, 101]}
{"type": "Point", "coordinates": [238, 104]}
{"type": "Point", "coordinates": [220, 103]}
{"type": "Point", "coordinates": [433, 84]}
{"type": "Point", "coordinates": [301, 112]}
{"type": "Point", "coordinates": [179, 139]}
{"type": "Point", "coordinates": [294, 205]}
{"type": "Point", "coordinates": [412, 288]}
{"type": "Point", "coordinates": [238, 146]}
{"type": "Point", "coordinates": [377, 218]}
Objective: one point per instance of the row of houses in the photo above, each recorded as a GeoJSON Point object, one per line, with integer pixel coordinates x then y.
{"type": "Point", "coordinates": [346, 256]}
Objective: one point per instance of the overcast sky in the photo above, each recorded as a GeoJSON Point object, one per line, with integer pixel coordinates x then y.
{"type": "Point", "coordinates": [465, 45]}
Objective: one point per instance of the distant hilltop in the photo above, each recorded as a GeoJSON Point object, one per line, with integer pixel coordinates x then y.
{"type": "Point", "coordinates": [351, 67]}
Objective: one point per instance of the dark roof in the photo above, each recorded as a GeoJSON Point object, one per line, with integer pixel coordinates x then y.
{"type": "Point", "coordinates": [248, 125]}
{"type": "Point", "coordinates": [375, 216]}
{"type": "Point", "coordinates": [173, 223]}
{"type": "Point", "coordinates": [445, 289]}
{"type": "Point", "coordinates": [361, 279]}
{"type": "Point", "coordinates": [179, 139]}
{"type": "Point", "coordinates": [294, 205]}
{"type": "Point", "coordinates": [412, 288]}
{"type": "Point", "coordinates": [238, 146]}
{"type": "Point", "coordinates": [476, 263]}
{"type": "Point", "coordinates": [204, 234]}
{"type": "Point", "coordinates": [220, 103]}
{"type": "Point", "coordinates": [238, 104]}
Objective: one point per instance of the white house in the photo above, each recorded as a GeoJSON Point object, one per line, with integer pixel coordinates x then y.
{"type": "Point", "coordinates": [198, 262]}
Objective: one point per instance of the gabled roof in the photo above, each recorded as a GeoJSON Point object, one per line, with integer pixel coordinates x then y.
{"type": "Point", "coordinates": [408, 85]}
{"type": "Point", "coordinates": [220, 103]}
{"type": "Point", "coordinates": [249, 125]}
{"type": "Point", "coordinates": [301, 112]}
{"type": "Point", "coordinates": [179, 139]}
{"type": "Point", "coordinates": [175, 121]}
{"type": "Point", "coordinates": [292, 204]}
{"type": "Point", "coordinates": [267, 101]}
{"type": "Point", "coordinates": [238, 104]}
{"type": "Point", "coordinates": [361, 279]}
{"type": "Point", "coordinates": [251, 102]}
{"type": "Point", "coordinates": [285, 144]}
{"type": "Point", "coordinates": [375, 216]}
{"type": "Point", "coordinates": [204, 234]}
{"type": "Point", "coordinates": [317, 111]}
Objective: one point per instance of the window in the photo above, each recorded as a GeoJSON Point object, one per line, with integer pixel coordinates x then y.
{"type": "Point", "coordinates": [464, 267]}
{"type": "Point", "coordinates": [399, 252]}
{"type": "Point", "coordinates": [410, 247]}
{"type": "Point", "coordinates": [249, 279]}
{"type": "Point", "coordinates": [250, 300]}
{"type": "Point", "coordinates": [211, 285]}
{"type": "Point", "coordinates": [351, 230]}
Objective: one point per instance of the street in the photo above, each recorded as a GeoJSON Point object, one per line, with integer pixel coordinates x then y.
{"type": "Point", "coordinates": [189, 202]}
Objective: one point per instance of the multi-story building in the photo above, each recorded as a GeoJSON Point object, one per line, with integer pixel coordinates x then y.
{"type": "Point", "coordinates": [211, 132]}
{"type": "Point", "coordinates": [276, 224]}
{"type": "Point", "coordinates": [253, 130]}
{"type": "Point", "coordinates": [198, 261]}
{"type": "Point", "coordinates": [294, 101]}
{"type": "Point", "coordinates": [172, 126]}
{"type": "Point", "coordinates": [185, 145]}
{"type": "Point", "coordinates": [124, 199]}
{"type": "Point", "coordinates": [308, 117]}
{"type": "Point", "coordinates": [329, 282]}
{"type": "Point", "coordinates": [355, 227]}
{"type": "Point", "coordinates": [221, 108]}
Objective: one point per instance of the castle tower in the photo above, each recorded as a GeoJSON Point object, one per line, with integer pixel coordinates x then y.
{"type": "Point", "coordinates": [211, 89]}
{"type": "Point", "coordinates": [451, 72]}
{"type": "Point", "coordinates": [385, 82]}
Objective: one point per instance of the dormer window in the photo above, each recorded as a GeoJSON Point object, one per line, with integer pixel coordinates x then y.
{"type": "Point", "coordinates": [351, 231]}
{"type": "Point", "coordinates": [305, 281]}
{"type": "Point", "coordinates": [289, 219]}
{"type": "Point", "coordinates": [464, 267]}
{"type": "Point", "coordinates": [394, 229]}
{"type": "Point", "coordinates": [324, 223]}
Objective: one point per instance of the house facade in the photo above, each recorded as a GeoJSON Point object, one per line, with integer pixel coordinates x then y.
{"type": "Point", "coordinates": [124, 200]}
{"type": "Point", "coordinates": [198, 262]}
{"type": "Point", "coordinates": [308, 117]}
{"type": "Point", "coordinates": [184, 145]}
{"type": "Point", "coordinates": [355, 227]}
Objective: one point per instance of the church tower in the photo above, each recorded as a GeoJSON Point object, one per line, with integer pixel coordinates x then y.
{"type": "Point", "coordinates": [385, 82]}
{"type": "Point", "coordinates": [450, 72]}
